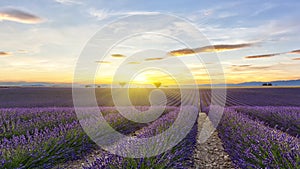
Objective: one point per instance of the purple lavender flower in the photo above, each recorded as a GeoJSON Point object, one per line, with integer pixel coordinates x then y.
{"type": "Point", "coordinates": [252, 144]}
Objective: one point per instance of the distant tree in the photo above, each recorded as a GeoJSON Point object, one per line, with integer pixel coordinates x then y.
{"type": "Point", "coordinates": [122, 84]}
{"type": "Point", "coordinates": [157, 84]}
{"type": "Point", "coordinates": [267, 84]}
{"type": "Point", "coordinates": [88, 86]}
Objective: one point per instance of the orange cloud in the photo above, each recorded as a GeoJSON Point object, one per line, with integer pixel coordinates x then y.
{"type": "Point", "coordinates": [182, 52]}
{"type": "Point", "coordinates": [17, 15]}
{"type": "Point", "coordinates": [296, 59]}
{"type": "Point", "coordinates": [133, 63]}
{"type": "Point", "coordinates": [273, 54]}
{"type": "Point", "coordinates": [213, 48]}
{"type": "Point", "coordinates": [118, 55]}
{"type": "Point", "coordinates": [220, 48]}
{"type": "Point", "coordinates": [5, 53]}
{"type": "Point", "coordinates": [294, 52]}
{"type": "Point", "coordinates": [152, 59]}
{"type": "Point", "coordinates": [262, 56]}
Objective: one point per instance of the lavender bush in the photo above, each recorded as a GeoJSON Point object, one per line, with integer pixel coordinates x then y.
{"type": "Point", "coordinates": [251, 144]}
{"type": "Point", "coordinates": [284, 118]}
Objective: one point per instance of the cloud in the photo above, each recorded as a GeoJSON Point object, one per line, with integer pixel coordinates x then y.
{"type": "Point", "coordinates": [240, 65]}
{"type": "Point", "coordinates": [272, 54]}
{"type": "Point", "coordinates": [247, 67]}
{"type": "Point", "coordinates": [296, 59]}
{"type": "Point", "coordinates": [101, 14]}
{"type": "Point", "coordinates": [182, 52]}
{"type": "Point", "coordinates": [152, 59]}
{"type": "Point", "coordinates": [133, 63]}
{"type": "Point", "coordinates": [213, 48]}
{"type": "Point", "coordinates": [260, 67]}
{"type": "Point", "coordinates": [270, 30]}
{"type": "Point", "coordinates": [103, 62]}
{"type": "Point", "coordinates": [20, 16]}
{"type": "Point", "coordinates": [294, 52]}
{"type": "Point", "coordinates": [262, 56]}
{"type": "Point", "coordinates": [263, 8]}
{"type": "Point", "coordinates": [220, 48]}
{"type": "Point", "coordinates": [5, 53]}
{"type": "Point", "coordinates": [68, 2]}
{"type": "Point", "coordinates": [118, 55]}
{"type": "Point", "coordinates": [138, 13]}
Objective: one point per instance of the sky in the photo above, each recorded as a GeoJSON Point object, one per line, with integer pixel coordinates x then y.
{"type": "Point", "coordinates": [168, 41]}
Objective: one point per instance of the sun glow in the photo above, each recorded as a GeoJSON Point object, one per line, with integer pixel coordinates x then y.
{"type": "Point", "coordinates": [140, 79]}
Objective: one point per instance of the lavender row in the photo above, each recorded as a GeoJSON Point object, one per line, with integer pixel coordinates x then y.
{"type": "Point", "coordinates": [179, 156]}
{"type": "Point", "coordinates": [18, 121]}
{"type": "Point", "coordinates": [251, 144]}
{"type": "Point", "coordinates": [284, 118]}
{"type": "Point", "coordinates": [48, 145]}
{"type": "Point", "coordinates": [44, 148]}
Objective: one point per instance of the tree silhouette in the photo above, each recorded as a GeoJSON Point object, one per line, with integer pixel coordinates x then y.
{"type": "Point", "coordinates": [267, 84]}
{"type": "Point", "coordinates": [157, 84]}
{"type": "Point", "coordinates": [122, 84]}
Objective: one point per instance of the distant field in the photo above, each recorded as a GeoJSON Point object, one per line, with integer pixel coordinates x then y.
{"type": "Point", "coordinates": [62, 97]}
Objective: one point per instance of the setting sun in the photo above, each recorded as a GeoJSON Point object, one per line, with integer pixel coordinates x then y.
{"type": "Point", "coordinates": [141, 79]}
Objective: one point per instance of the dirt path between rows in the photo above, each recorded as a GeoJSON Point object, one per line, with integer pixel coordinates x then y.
{"type": "Point", "coordinates": [210, 153]}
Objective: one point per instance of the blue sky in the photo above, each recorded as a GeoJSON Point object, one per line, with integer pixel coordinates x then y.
{"type": "Point", "coordinates": [42, 40]}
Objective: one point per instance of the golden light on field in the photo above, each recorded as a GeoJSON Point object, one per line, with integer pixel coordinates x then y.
{"type": "Point", "coordinates": [149, 78]}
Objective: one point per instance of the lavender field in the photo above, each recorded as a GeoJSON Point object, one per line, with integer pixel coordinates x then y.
{"type": "Point", "coordinates": [260, 128]}
{"type": "Point", "coordinates": [62, 97]}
